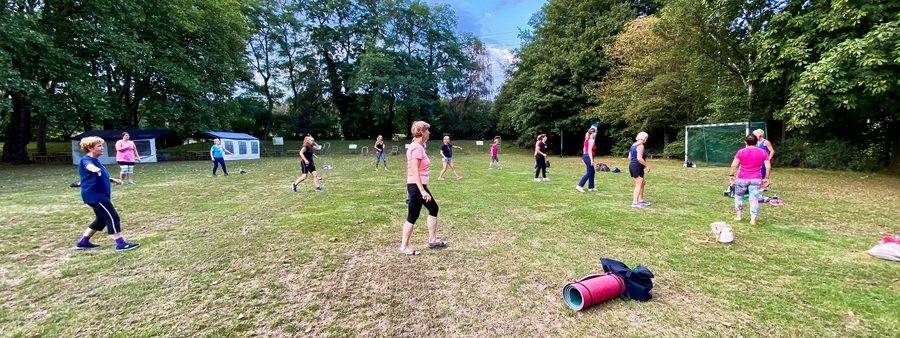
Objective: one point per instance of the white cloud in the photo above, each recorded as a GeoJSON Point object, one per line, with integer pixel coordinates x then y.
{"type": "Point", "coordinates": [501, 57]}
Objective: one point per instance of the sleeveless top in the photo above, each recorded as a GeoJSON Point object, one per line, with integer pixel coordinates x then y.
{"type": "Point", "coordinates": [633, 152]}
{"type": "Point", "coordinates": [762, 145]}
{"type": "Point", "coordinates": [585, 147]}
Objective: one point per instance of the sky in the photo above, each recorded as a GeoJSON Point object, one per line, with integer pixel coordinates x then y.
{"type": "Point", "coordinates": [497, 24]}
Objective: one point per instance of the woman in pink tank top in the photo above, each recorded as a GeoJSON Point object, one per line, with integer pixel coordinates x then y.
{"type": "Point", "coordinates": [126, 155]}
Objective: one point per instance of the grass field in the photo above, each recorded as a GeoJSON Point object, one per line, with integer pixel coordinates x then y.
{"type": "Point", "coordinates": [243, 255]}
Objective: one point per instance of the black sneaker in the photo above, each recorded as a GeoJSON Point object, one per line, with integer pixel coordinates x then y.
{"type": "Point", "coordinates": [320, 189]}
{"type": "Point", "coordinates": [293, 187]}
{"type": "Point", "coordinates": [127, 246]}
{"type": "Point", "coordinates": [86, 246]}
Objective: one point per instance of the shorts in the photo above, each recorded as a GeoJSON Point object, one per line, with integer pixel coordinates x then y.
{"type": "Point", "coordinates": [494, 158]}
{"type": "Point", "coordinates": [636, 170]}
{"type": "Point", "coordinates": [447, 159]}
{"type": "Point", "coordinates": [307, 168]}
{"type": "Point", "coordinates": [126, 167]}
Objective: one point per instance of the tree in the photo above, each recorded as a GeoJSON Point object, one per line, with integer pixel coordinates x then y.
{"type": "Point", "coordinates": [839, 61]}
{"type": "Point", "coordinates": [545, 92]}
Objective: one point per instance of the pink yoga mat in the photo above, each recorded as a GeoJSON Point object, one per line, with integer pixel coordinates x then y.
{"type": "Point", "coordinates": [592, 290]}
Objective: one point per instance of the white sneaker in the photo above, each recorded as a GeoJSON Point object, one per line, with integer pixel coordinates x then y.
{"type": "Point", "coordinates": [592, 190]}
{"type": "Point", "coordinates": [537, 179]}
{"type": "Point", "coordinates": [546, 179]}
{"type": "Point", "coordinates": [579, 188]}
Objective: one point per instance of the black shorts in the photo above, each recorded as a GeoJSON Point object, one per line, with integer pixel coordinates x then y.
{"type": "Point", "coordinates": [416, 202]}
{"type": "Point", "coordinates": [124, 163]}
{"type": "Point", "coordinates": [307, 168]}
{"type": "Point", "coordinates": [636, 170]}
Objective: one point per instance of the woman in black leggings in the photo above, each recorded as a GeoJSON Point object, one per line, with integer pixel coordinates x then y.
{"type": "Point", "coordinates": [417, 167]}
{"type": "Point", "coordinates": [540, 158]}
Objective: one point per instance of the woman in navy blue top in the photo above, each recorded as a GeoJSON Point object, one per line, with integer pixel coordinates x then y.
{"type": "Point", "coordinates": [95, 192]}
{"type": "Point", "coordinates": [637, 165]}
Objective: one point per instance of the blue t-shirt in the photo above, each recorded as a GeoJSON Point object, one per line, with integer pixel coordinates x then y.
{"type": "Point", "coordinates": [94, 188]}
{"type": "Point", "coordinates": [217, 152]}
{"type": "Point", "coordinates": [447, 150]}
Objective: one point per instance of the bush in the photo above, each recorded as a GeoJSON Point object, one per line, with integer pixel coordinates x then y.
{"type": "Point", "coordinates": [831, 154]}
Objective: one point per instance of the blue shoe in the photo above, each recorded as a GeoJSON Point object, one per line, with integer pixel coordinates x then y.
{"type": "Point", "coordinates": [86, 246]}
{"type": "Point", "coordinates": [645, 203]}
{"type": "Point", "coordinates": [293, 187]}
{"type": "Point", "coordinates": [127, 246]}
{"type": "Point", "coordinates": [638, 205]}
{"type": "Point", "coordinates": [320, 189]}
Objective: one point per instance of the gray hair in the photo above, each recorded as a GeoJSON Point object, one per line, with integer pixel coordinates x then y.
{"type": "Point", "coordinates": [642, 136]}
{"type": "Point", "coordinates": [759, 132]}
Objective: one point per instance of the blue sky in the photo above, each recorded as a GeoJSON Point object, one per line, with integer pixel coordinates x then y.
{"type": "Point", "coordinates": [497, 23]}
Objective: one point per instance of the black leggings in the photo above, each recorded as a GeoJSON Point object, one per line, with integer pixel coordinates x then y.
{"type": "Point", "coordinates": [107, 217]}
{"type": "Point", "coordinates": [416, 202]}
{"type": "Point", "coordinates": [540, 165]}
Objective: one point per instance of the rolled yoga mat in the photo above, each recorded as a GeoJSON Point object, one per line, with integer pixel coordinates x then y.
{"type": "Point", "coordinates": [592, 290]}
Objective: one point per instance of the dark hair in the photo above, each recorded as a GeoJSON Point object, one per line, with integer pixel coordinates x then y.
{"type": "Point", "coordinates": [125, 133]}
{"type": "Point", "coordinates": [751, 140]}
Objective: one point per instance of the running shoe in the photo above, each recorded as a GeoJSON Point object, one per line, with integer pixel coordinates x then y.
{"type": "Point", "coordinates": [86, 246]}
{"type": "Point", "coordinates": [127, 246]}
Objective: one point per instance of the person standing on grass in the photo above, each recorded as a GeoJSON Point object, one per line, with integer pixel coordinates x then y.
{"type": "Point", "coordinates": [764, 144]}
{"type": "Point", "coordinates": [95, 192]}
{"type": "Point", "coordinates": [540, 158]}
{"type": "Point", "coordinates": [495, 147]}
{"type": "Point", "coordinates": [215, 153]}
{"type": "Point", "coordinates": [637, 159]}
{"type": "Point", "coordinates": [417, 167]}
{"type": "Point", "coordinates": [589, 147]}
{"type": "Point", "coordinates": [126, 155]}
{"type": "Point", "coordinates": [749, 177]}
{"type": "Point", "coordinates": [307, 166]}
{"type": "Point", "coordinates": [379, 153]}
{"type": "Point", "coordinates": [447, 159]}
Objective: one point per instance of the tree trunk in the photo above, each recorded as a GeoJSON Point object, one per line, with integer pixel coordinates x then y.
{"type": "Point", "coordinates": [42, 134]}
{"type": "Point", "coordinates": [895, 148]}
{"type": "Point", "coordinates": [18, 131]}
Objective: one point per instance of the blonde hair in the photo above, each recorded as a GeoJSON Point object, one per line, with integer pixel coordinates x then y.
{"type": "Point", "coordinates": [759, 132]}
{"type": "Point", "coordinates": [642, 136]}
{"type": "Point", "coordinates": [307, 140]}
{"type": "Point", "coordinates": [418, 128]}
{"type": "Point", "coordinates": [89, 142]}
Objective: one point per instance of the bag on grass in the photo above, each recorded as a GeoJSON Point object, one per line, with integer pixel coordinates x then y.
{"type": "Point", "coordinates": [638, 281]}
{"type": "Point", "coordinates": [602, 167]}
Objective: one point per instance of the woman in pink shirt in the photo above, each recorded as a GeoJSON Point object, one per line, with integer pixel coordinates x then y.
{"type": "Point", "coordinates": [417, 166]}
{"type": "Point", "coordinates": [126, 155]}
{"type": "Point", "coordinates": [749, 178]}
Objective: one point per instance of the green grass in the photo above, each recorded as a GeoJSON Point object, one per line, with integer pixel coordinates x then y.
{"type": "Point", "coordinates": [242, 255]}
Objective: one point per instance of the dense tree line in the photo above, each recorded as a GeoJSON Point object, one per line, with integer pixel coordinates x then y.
{"type": "Point", "coordinates": [824, 75]}
{"type": "Point", "coordinates": [335, 68]}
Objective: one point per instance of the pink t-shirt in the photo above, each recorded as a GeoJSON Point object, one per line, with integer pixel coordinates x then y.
{"type": "Point", "coordinates": [127, 152]}
{"type": "Point", "coordinates": [494, 149]}
{"type": "Point", "coordinates": [417, 152]}
{"type": "Point", "coordinates": [752, 159]}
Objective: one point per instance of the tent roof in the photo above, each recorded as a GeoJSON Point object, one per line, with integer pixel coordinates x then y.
{"type": "Point", "coordinates": [117, 134]}
{"type": "Point", "coordinates": [230, 135]}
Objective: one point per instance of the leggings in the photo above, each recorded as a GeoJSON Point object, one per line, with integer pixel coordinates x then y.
{"type": "Point", "coordinates": [107, 217]}
{"type": "Point", "coordinates": [589, 174]}
{"type": "Point", "coordinates": [416, 202]}
{"type": "Point", "coordinates": [379, 156]}
{"type": "Point", "coordinates": [216, 165]}
{"type": "Point", "coordinates": [741, 186]}
{"type": "Point", "coordinates": [540, 165]}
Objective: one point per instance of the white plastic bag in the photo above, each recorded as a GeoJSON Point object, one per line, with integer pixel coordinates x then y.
{"type": "Point", "coordinates": [722, 231]}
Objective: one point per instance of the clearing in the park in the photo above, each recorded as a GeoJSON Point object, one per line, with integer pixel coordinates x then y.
{"type": "Point", "coordinates": [243, 255]}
